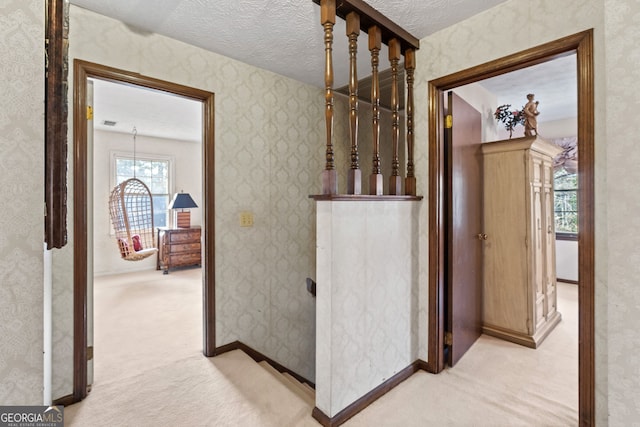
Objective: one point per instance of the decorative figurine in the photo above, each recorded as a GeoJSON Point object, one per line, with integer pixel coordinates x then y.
{"type": "Point", "coordinates": [530, 111]}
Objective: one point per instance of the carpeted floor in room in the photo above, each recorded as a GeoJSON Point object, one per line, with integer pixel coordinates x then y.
{"type": "Point", "coordinates": [149, 371]}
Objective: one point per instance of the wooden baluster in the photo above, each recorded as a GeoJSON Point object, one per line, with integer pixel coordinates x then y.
{"type": "Point", "coordinates": [410, 66]}
{"type": "Point", "coordinates": [395, 181]}
{"type": "Point", "coordinates": [328, 20]}
{"type": "Point", "coordinates": [375, 43]}
{"type": "Point", "coordinates": [354, 178]}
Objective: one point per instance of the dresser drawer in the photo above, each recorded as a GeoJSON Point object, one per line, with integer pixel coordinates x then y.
{"type": "Point", "coordinates": [184, 247]}
{"type": "Point", "coordinates": [186, 236]}
{"type": "Point", "coordinates": [178, 260]}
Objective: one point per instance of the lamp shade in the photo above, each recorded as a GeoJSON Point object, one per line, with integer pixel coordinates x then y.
{"type": "Point", "coordinates": [182, 201]}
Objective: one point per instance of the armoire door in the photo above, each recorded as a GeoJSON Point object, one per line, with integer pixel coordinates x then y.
{"type": "Point", "coordinates": [550, 241]}
{"type": "Point", "coordinates": [538, 243]}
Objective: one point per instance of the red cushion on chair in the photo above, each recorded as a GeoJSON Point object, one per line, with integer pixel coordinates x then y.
{"type": "Point", "coordinates": [137, 243]}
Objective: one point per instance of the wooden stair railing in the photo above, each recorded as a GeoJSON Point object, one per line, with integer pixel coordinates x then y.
{"type": "Point", "coordinates": [375, 43]}
{"type": "Point", "coordinates": [354, 178]}
{"type": "Point", "coordinates": [409, 67]}
{"type": "Point", "coordinates": [328, 20]}
{"type": "Point", "coordinates": [360, 16]}
{"type": "Point", "coordinates": [395, 181]}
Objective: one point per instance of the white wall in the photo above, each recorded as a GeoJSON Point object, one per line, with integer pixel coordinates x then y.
{"type": "Point", "coordinates": [21, 220]}
{"type": "Point", "coordinates": [485, 103]}
{"type": "Point", "coordinates": [186, 158]}
{"type": "Point", "coordinates": [562, 128]}
{"type": "Point", "coordinates": [567, 259]}
{"type": "Point", "coordinates": [548, 130]}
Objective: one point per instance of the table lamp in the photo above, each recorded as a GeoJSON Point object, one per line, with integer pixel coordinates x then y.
{"type": "Point", "coordinates": [183, 201]}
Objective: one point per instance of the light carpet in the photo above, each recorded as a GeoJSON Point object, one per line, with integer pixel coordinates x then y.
{"type": "Point", "coordinates": [149, 371]}
{"type": "Point", "coordinates": [497, 383]}
{"type": "Point", "coordinates": [228, 390]}
{"type": "Point", "coordinates": [145, 319]}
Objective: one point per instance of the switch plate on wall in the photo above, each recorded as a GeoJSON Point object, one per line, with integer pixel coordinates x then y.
{"type": "Point", "coordinates": [246, 219]}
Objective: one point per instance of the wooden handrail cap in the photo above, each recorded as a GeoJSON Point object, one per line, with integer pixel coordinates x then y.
{"type": "Point", "coordinates": [375, 37]}
{"type": "Point", "coordinates": [394, 49]}
{"type": "Point", "coordinates": [327, 11]}
{"type": "Point", "coordinates": [353, 23]}
{"type": "Point", "coordinates": [409, 59]}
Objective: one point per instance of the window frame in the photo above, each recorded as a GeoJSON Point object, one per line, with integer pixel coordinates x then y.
{"type": "Point", "coordinates": [565, 235]}
{"type": "Point", "coordinates": [115, 155]}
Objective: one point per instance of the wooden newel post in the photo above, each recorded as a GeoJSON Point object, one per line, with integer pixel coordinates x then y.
{"type": "Point", "coordinates": [354, 177]}
{"type": "Point", "coordinates": [410, 66]}
{"type": "Point", "coordinates": [375, 43]}
{"type": "Point", "coordinates": [328, 20]}
{"type": "Point", "coordinates": [395, 180]}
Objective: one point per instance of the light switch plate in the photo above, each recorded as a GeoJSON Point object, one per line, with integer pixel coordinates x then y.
{"type": "Point", "coordinates": [246, 219]}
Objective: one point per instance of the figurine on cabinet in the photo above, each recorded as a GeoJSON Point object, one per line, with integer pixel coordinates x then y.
{"type": "Point", "coordinates": [531, 112]}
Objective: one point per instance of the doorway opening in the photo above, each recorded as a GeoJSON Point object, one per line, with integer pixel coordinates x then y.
{"type": "Point", "coordinates": [83, 71]}
{"type": "Point", "coordinates": [581, 45]}
{"type": "Point", "coordinates": [138, 318]}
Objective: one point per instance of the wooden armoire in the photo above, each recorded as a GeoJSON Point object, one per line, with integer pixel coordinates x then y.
{"type": "Point", "coordinates": [519, 286]}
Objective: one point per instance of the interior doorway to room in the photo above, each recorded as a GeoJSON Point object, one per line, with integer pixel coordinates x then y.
{"type": "Point", "coordinates": [83, 223]}
{"type": "Point", "coordinates": [582, 45]}
{"type": "Point", "coordinates": [473, 236]}
{"type": "Point", "coordinates": [138, 318]}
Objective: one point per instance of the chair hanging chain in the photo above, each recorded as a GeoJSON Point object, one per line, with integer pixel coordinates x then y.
{"type": "Point", "coordinates": [135, 132]}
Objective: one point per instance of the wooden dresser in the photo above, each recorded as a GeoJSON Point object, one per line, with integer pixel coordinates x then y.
{"type": "Point", "coordinates": [178, 247]}
{"type": "Point", "coordinates": [519, 300]}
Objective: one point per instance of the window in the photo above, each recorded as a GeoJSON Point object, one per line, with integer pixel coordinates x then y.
{"type": "Point", "coordinates": [155, 173]}
{"type": "Point", "coordinates": [566, 203]}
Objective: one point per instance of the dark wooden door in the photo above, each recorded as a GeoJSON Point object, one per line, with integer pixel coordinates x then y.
{"type": "Point", "coordinates": [463, 159]}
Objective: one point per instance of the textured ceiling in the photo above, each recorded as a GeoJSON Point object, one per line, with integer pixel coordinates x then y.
{"type": "Point", "coordinates": [284, 36]}
{"type": "Point", "coordinates": [153, 113]}
{"type": "Point", "coordinates": [554, 83]}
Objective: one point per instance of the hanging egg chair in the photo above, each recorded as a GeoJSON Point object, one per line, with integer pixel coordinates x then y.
{"type": "Point", "coordinates": [131, 209]}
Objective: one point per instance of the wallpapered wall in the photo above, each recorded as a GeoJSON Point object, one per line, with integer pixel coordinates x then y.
{"type": "Point", "coordinates": [517, 25]}
{"type": "Point", "coordinates": [510, 27]}
{"type": "Point", "coordinates": [268, 150]}
{"type": "Point", "coordinates": [618, 344]}
{"type": "Point", "coordinates": [269, 140]}
{"type": "Point", "coordinates": [21, 221]}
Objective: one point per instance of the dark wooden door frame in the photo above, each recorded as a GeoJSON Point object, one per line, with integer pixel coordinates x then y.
{"type": "Point", "coordinates": [82, 71]}
{"type": "Point", "coordinates": [582, 45]}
